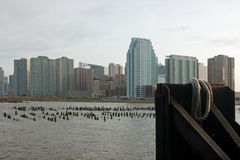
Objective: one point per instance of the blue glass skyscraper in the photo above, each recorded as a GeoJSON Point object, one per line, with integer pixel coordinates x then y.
{"type": "Point", "coordinates": [141, 67]}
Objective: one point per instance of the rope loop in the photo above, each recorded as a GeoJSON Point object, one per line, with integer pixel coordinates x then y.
{"type": "Point", "coordinates": [197, 107]}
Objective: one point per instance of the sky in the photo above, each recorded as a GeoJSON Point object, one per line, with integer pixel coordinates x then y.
{"type": "Point", "coordinates": [100, 31]}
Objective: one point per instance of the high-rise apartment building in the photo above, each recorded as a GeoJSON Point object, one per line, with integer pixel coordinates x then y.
{"type": "Point", "coordinates": [5, 86]}
{"type": "Point", "coordinates": [111, 69]}
{"type": "Point", "coordinates": [82, 79]}
{"type": "Point", "coordinates": [21, 75]}
{"type": "Point", "coordinates": [114, 69]}
{"type": "Point", "coordinates": [97, 70]}
{"type": "Point", "coordinates": [120, 85]}
{"type": "Point", "coordinates": [141, 67]}
{"type": "Point", "coordinates": [106, 70]}
{"type": "Point", "coordinates": [1, 82]}
{"type": "Point", "coordinates": [41, 76]}
{"type": "Point", "coordinates": [202, 72]}
{"type": "Point", "coordinates": [64, 76]}
{"type": "Point", "coordinates": [84, 65]}
{"type": "Point", "coordinates": [180, 69]}
{"type": "Point", "coordinates": [161, 72]}
{"type": "Point", "coordinates": [52, 77]}
{"type": "Point", "coordinates": [221, 70]}
{"type": "Point", "coordinates": [119, 69]}
{"type": "Point", "coordinates": [11, 85]}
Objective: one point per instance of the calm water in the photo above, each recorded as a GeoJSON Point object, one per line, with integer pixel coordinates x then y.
{"type": "Point", "coordinates": [76, 138]}
{"type": "Point", "coordinates": [79, 137]}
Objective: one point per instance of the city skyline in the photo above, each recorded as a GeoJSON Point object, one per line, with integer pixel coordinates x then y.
{"type": "Point", "coordinates": [84, 30]}
{"type": "Point", "coordinates": [57, 77]}
{"type": "Point", "coordinates": [99, 70]}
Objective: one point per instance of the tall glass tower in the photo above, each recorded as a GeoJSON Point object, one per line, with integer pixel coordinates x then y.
{"type": "Point", "coordinates": [21, 74]}
{"type": "Point", "coordinates": [141, 67]}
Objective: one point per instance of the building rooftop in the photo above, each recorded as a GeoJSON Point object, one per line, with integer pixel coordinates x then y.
{"type": "Point", "coordinates": [181, 57]}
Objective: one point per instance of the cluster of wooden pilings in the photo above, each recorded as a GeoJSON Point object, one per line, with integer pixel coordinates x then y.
{"type": "Point", "coordinates": [54, 114]}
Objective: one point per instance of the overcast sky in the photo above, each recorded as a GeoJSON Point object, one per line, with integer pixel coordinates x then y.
{"type": "Point", "coordinates": [99, 31]}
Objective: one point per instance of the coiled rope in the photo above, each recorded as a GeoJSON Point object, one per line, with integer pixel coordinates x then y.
{"type": "Point", "coordinates": [197, 107]}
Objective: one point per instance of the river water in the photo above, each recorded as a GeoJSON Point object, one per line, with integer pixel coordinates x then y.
{"type": "Point", "coordinates": [79, 137]}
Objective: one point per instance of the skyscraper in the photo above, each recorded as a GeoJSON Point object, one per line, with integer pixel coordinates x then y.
{"type": "Point", "coordinates": [52, 78]}
{"type": "Point", "coordinates": [11, 85]}
{"type": "Point", "coordinates": [64, 76]}
{"type": "Point", "coordinates": [41, 73]}
{"type": "Point", "coordinates": [5, 86]}
{"type": "Point", "coordinates": [116, 72]}
{"type": "Point", "coordinates": [1, 82]}
{"type": "Point", "coordinates": [97, 70]}
{"type": "Point", "coordinates": [221, 70]}
{"type": "Point", "coordinates": [120, 85]}
{"type": "Point", "coordinates": [161, 72]}
{"type": "Point", "coordinates": [82, 79]}
{"type": "Point", "coordinates": [180, 69]}
{"type": "Point", "coordinates": [21, 75]}
{"type": "Point", "coordinates": [141, 67]}
{"type": "Point", "coordinates": [84, 65]}
{"type": "Point", "coordinates": [111, 69]}
{"type": "Point", "coordinates": [114, 69]}
{"type": "Point", "coordinates": [119, 69]}
{"type": "Point", "coordinates": [202, 72]}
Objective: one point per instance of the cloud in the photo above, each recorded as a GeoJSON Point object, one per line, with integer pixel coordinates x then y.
{"type": "Point", "coordinates": [225, 42]}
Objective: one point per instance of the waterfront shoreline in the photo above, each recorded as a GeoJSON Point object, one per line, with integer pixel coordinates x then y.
{"type": "Point", "coordinates": [21, 99]}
